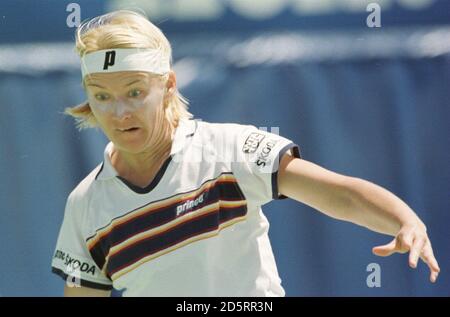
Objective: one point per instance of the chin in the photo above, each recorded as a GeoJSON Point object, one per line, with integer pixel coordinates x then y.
{"type": "Point", "coordinates": [130, 147]}
{"type": "Point", "coordinates": [130, 144]}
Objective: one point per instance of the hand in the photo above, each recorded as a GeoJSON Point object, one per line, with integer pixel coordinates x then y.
{"type": "Point", "coordinates": [412, 238]}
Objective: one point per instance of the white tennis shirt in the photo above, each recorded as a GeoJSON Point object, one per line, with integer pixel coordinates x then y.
{"type": "Point", "coordinates": [196, 230]}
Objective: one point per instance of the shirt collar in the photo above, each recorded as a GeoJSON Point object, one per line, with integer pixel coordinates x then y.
{"type": "Point", "coordinates": [186, 128]}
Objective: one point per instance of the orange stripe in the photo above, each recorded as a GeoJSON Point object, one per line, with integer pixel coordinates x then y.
{"type": "Point", "coordinates": [169, 226]}
{"type": "Point", "coordinates": [176, 247]}
{"type": "Point", "coordinates": [225, 178]}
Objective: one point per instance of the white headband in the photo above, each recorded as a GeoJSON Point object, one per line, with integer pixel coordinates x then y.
{"type": "Point", "coordinates": [125, 59]}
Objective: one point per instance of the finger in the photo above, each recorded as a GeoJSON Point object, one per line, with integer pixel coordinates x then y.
{"type": "Point", "coordinates": [429, 256]}
{"type": "Point", "coordinates": [433, 277]}
{"type": "Point", "coordinates": [430, 260]}
{"type": "Point", "coordinates": [416, 250]}
{"type": "Point", "coordinates": [405, 242]}
{"type": "Point", "coordinates": [385, 250]}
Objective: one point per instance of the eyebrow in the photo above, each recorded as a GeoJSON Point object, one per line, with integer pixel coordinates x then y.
{"type": "Point", "coordinates": [129, 84]}
{"type": "Point", "coordinates": [96, 85]}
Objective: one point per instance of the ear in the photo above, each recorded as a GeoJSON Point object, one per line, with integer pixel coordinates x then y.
{"type": "Point", "coordinates": [84, 108]}
{"type": "Point", "coordinates": [171, 85]}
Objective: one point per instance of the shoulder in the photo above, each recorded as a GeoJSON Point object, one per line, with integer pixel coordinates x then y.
{"type": "Point", "coordinates": [221, 127]}
{"type": "Point", "coordinates": [225, 132]}
{"type": "Point", "coordinates": [82, 193]}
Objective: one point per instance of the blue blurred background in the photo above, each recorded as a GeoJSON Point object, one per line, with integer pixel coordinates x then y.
{"type": "Point", "coordinates": [368, 102]}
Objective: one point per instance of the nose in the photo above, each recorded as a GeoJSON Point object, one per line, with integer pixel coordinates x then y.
{"type": "Point", "coordinates": [121, 111]}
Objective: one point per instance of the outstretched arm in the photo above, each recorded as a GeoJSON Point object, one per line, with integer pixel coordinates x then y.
{"type": "Point", "coordinates": [361, 202]}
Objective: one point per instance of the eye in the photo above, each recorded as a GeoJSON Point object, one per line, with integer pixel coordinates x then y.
{"type": "Point", "coordinates": [134, 93]}
{"type": "Point", "coordinates": [102, 97]}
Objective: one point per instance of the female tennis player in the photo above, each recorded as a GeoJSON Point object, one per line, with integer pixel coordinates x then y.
{"type": "Point", "coordinates": [174, 209]}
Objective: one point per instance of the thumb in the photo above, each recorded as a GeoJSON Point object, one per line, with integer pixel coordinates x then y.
{"type": "Point", "coordinates": [385, 250]}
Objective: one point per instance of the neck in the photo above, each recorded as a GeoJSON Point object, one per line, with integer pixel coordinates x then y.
{"type": "Point", "coordinates": [149, 160]}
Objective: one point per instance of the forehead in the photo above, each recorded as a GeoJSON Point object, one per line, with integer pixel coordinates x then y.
{"type": "Point", "coordinates": [120, 78]}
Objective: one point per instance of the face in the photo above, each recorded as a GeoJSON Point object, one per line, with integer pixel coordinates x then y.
{"type": "Point", "coordinates": [129, 107]}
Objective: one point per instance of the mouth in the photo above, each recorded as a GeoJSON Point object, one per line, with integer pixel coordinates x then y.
{"type": "Point", "coordinates": [128, 130]}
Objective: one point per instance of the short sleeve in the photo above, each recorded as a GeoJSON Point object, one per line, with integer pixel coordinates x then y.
{"type": "Point", "coordinates": [259, 154]}
{"type": "Point", "coordinates": [72, 260]}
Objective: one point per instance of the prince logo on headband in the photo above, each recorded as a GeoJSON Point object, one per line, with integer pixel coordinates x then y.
{"type": "Point", "coordinates": [110, 58]}
{"type": "Point", "coordinates": [126, 59]}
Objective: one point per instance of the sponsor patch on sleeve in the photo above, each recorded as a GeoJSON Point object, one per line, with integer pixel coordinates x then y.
{"type": "Point", "coordinates": [252, 143]}
{"type": "Point", "coordinates": [72, 263]}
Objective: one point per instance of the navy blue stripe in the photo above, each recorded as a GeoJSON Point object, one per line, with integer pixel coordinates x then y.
{"type": "Point", "coordinates": [98, 255]}
{"type": "Point", "coordinates": [296, 153]}
{"type": "Point", "coordinates": [155, 201]}
{"type": "Point", "coordinates": [155, 218]}
{"type": "Point", "coordinates": [173, 236]}
{"type": "Point", "coordinates": [154, 182]}
{"type": "Point", "coordinates": [101, 169]}
{"type": "Point", "coordinates": [83, 282]}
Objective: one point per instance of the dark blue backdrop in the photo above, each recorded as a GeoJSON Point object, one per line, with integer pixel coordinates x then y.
{"type": "Point", "coordinates": [370, 103]}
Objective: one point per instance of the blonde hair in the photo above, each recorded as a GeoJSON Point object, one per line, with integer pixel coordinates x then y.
{"type": "Point", "coordinates": [124, 29]}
